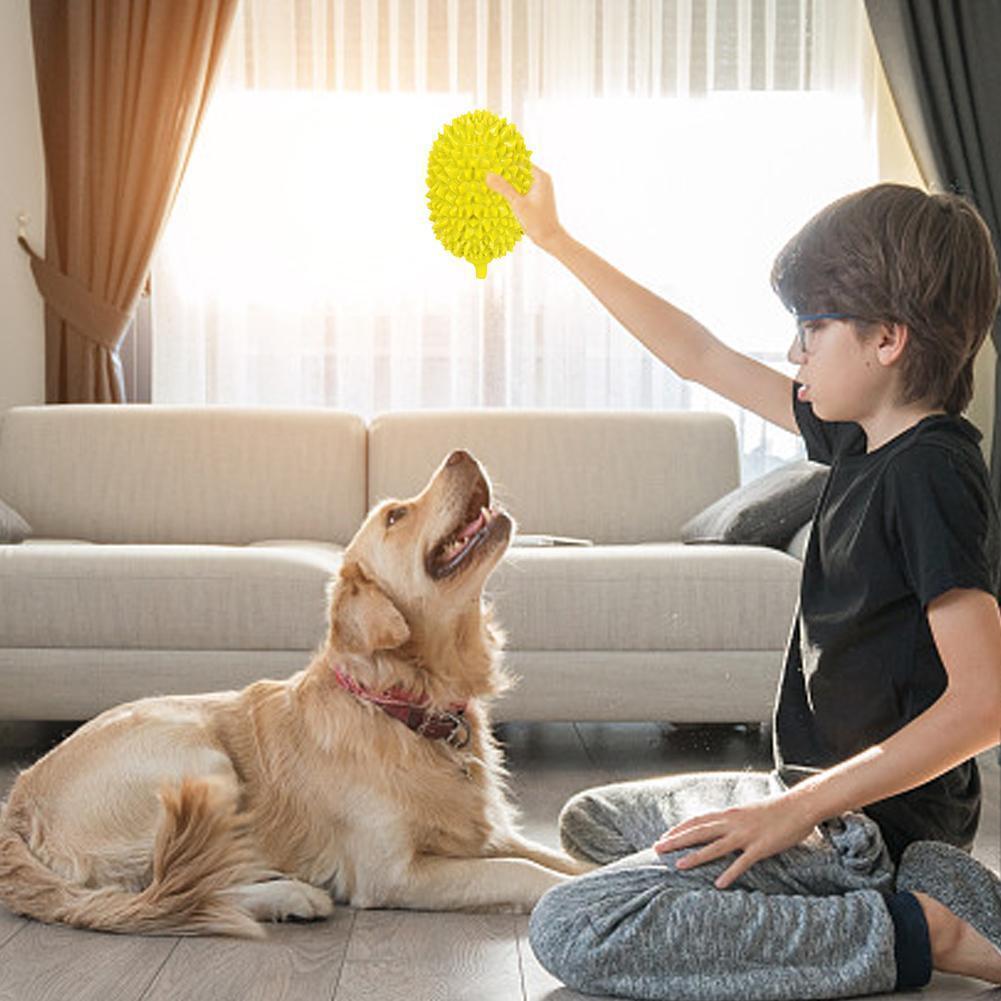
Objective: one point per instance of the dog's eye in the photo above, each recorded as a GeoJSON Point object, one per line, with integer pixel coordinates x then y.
{"type": "Point", "coordinates": [394, 514]}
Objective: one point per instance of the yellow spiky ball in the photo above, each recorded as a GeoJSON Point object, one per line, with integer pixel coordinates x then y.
{"type": "Point", "coordinates": [470, 220]}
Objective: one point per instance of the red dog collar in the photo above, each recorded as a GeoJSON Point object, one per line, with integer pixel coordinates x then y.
{"type": "Point", "coordinates": [450, 725]}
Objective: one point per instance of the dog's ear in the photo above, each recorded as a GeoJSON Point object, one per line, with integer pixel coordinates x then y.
{"type": "Point", "coordinates": [363, 618]}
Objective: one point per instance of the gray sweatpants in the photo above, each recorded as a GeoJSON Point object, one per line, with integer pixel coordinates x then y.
{"type": "Point", "coordinates": [810, 922]}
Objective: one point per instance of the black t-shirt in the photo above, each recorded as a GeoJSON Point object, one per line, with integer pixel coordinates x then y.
{"type": "Point", "coordinates": [893, 529]}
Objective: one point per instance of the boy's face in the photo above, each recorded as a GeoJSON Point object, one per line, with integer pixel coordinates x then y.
{"type": "Point", "coordinates": [845, 378]}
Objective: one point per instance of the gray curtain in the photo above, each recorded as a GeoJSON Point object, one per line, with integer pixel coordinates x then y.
{"type": "Point", "coordinates": [943, 62]}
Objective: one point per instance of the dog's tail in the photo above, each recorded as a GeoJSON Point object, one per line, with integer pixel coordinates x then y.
{"type": "Point", "coordinates": [200, 851]}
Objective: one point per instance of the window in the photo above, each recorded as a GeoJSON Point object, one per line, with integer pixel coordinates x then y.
{"type": "Point", "coordinates": [687, 142]}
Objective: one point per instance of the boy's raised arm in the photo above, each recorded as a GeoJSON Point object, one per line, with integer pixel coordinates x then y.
{"type": "Point", "coordinates": [677, 339]}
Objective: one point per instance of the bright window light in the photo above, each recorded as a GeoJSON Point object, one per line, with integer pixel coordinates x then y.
{"type": "Point", "coordinates": [312, 198]}
{"type": "Point", "coordinates": [303, 197]}
{"type": "Point", "coordinates": [694, 198]}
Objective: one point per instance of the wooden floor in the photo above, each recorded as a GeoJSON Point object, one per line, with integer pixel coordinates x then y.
{"type": "Point", "coordinates": [394, 955]}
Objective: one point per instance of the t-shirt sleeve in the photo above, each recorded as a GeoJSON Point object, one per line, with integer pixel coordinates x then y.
{"type": "Point", "coordinates": [942, 516]}
{"type": "Point", "coordinates": [824, 440]}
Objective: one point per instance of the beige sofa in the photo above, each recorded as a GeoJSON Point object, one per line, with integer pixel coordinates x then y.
{"type": "Point", "coordinates": [185, 549]}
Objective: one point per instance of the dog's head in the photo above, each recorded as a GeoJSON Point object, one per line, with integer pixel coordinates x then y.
{"type": "Point", "coordinates": [419, 565]}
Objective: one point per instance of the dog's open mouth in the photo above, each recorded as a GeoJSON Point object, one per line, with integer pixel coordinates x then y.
{"type": "Point", "coordinates": [480, 522]}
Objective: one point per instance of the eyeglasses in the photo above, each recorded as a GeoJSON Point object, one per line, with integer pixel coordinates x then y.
{"type": "Point", "coordinates": [804, 332]}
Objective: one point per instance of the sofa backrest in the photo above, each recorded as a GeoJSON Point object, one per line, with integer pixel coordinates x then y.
{"type": "Point", "coordinates": [613, 477]}
{"type": "Point", "coordinates": [170, 474]}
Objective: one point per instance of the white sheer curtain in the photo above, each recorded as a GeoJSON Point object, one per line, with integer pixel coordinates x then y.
{"type": "Point", "coordinates": [687, 140]}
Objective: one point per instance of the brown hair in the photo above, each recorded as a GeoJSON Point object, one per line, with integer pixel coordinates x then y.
{"type": "Point", "coordinates": [894, 254]}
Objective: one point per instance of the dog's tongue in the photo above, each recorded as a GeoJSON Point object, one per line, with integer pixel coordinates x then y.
{"type": "Point", "coordinates": [473, 527]}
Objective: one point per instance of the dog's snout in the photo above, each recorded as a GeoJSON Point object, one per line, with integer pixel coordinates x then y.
{"type": "Point", "coordinates": [459, 455]}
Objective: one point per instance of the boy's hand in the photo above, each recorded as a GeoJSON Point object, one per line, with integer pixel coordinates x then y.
{"type": "Point", "coordinates": [536, 210]}
{"type": "Point", "coordinates": [755, 832]}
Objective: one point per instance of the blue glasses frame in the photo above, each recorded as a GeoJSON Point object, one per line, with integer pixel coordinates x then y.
{"type": "Point", "coordinates": [802, 318]}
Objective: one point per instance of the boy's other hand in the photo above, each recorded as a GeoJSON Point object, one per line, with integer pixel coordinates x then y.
{"type": "Point", "coordinates": [536, 210]}
{"type": "Point", "coordinates": [754, 832]}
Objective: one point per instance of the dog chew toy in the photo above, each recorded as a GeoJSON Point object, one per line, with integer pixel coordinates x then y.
{"type": "Point", "coordinates": [470, 220]}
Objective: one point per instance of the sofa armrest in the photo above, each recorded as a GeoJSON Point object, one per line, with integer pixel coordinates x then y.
{"type": "Point", "coordinates": [797, 545]}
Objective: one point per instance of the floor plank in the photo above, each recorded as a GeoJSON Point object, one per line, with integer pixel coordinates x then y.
{"type": "Point", "coordinates": [410, 956]}
{"type": "Point", "coordinates": [10, 925]}
{"type": "Point", "coordinates": [297, 962]}
{"type": "Point", "coordinates": [987, 846]}
{"type": "Point", "coordinates": [548, 764]}
{"type": "Point", "coordinates": [53, 963]}
{"type": "Point", "coordinates": [630, 751]}
{"type": "Point", "coordinates": [944, 987]}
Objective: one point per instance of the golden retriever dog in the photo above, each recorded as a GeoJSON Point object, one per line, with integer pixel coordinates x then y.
{"type": "Point", "coordinates": [371, 777]}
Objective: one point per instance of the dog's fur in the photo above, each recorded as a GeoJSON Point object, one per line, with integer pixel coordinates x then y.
{"type": "Point", "coordinates": [207, 814]}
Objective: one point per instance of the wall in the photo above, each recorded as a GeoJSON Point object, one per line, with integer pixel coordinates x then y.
{"type": "Point", "coordinates": [22, 189]}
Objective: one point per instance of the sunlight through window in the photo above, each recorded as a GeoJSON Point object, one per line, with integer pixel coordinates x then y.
{"type": "Point", "coordinates": [296, 197]}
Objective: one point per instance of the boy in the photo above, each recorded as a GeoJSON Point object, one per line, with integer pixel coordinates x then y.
{"type": "Point", "coordinates": [846, 869]}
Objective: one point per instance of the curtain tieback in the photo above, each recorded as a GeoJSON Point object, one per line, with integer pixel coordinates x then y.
{"type": "Point", "coordinates": [88, 315]}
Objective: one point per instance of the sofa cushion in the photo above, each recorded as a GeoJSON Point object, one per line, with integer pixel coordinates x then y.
{"type": "Point", "coordinates": [273, 596]}
{"type": "Point", "coordinates": [619, 477]}
{"type": "Point", "coordinates": [767, 511]}
{"type": "Point", "coordinates": [266, 597]}
{"type": "Point", "coordinates": [13, 528]}
{"type": "Point", "coordinates": [166, 474]}
{"type": "Point", "coordinates": [652, 597]}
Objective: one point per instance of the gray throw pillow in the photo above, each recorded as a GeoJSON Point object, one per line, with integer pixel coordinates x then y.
{"type": "Point", "coordinates": [767, 511]}
{"type": "Point", "coordinates": [13, 528]}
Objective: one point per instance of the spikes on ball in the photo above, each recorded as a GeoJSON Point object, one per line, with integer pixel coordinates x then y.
{"type": "Point", "coordinates": [470, 220]}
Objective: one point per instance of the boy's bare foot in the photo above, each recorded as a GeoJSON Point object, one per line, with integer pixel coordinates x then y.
{"type": "Point", "coordinates": [957, 947]}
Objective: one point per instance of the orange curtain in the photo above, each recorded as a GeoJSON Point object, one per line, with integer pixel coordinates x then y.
{"type": "Point", "coordinates": [123, 86]}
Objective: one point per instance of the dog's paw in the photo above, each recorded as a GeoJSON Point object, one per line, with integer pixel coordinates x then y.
{"type": "Point", "coordinates": [306, 903]}
{"type": "Point", "coordinates": [283, 900]}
